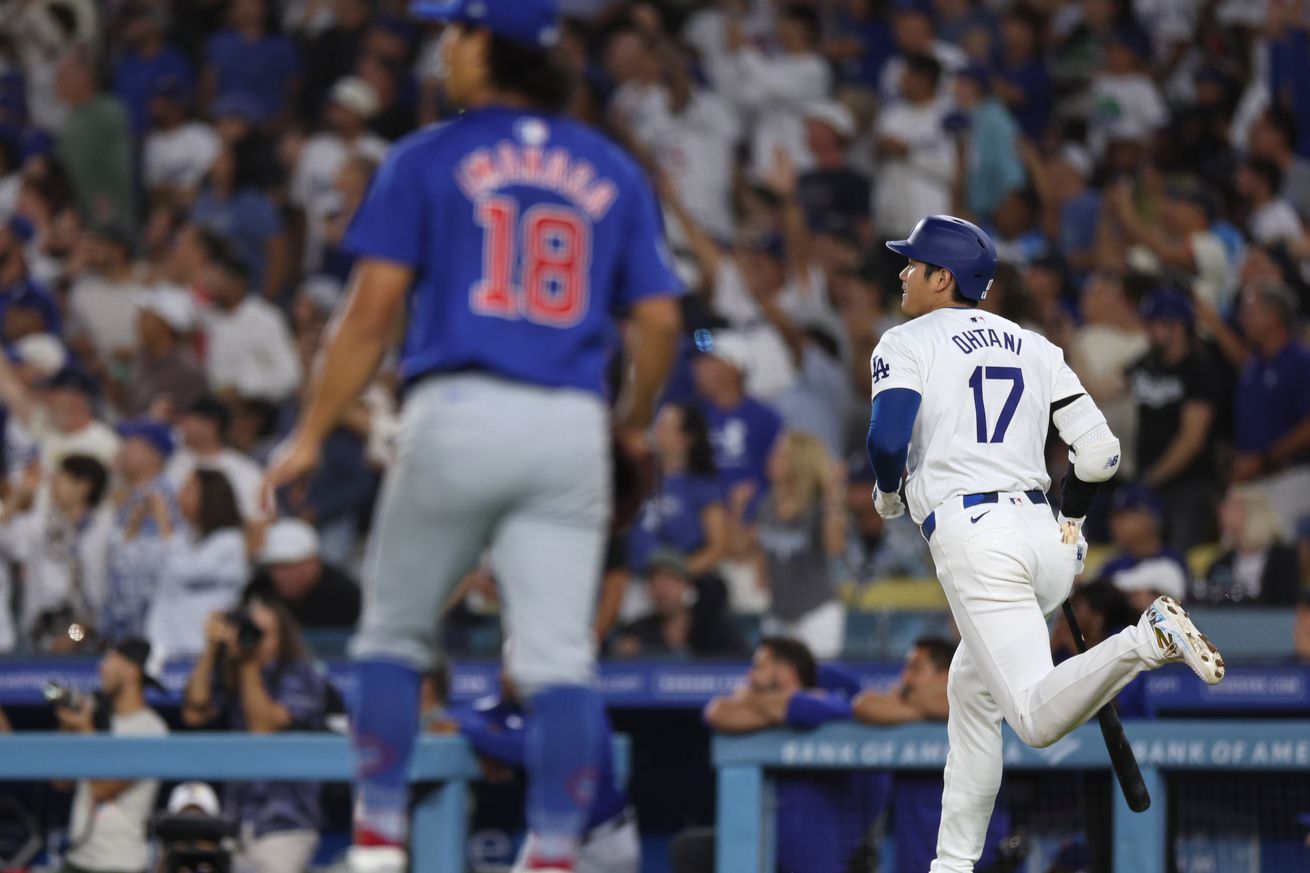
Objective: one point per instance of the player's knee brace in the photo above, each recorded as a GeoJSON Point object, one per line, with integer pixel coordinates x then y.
{"type": "Point", "coordinates": [1094, 449]}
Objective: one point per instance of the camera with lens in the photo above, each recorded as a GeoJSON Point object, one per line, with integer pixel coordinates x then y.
{"type": "Point", "coordinates": [249, 635]}
{"type": "Point", "coordinates": [63, 697]}
{"type": "Point", "coordinates": [193, 843]}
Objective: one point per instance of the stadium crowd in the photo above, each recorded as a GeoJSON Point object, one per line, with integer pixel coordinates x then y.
{"type": "Point", "coordinates": [175, 184]}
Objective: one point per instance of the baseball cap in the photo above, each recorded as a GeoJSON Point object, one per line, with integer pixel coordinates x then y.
{"type": "Point", "coordinates": [70, 378]}
{"type": "Point", "coordinates": [729, 347]}
{"type": "Point", "coordinates": [1136, 497]}
{"type": "Point", "coordinates": [194, 796]}
{"type": "Point", "coordinates": [137, 651]}
{"type": "Point", "coordinates": [665, 560]}
{"type": "Point", "coordinates": [1167, 305]}
{"type": "Point", "coordinates": [833, 114]}
{"type": "Point", "coordinates": [212, 408]}
{"type": "Point", "coordinates": [356, 95]}
{"type": "Point", "coordinates": [289, 541]}
{"type": "Point", "coordinates": [172, 305]}
{"type": "Point", "coordinates": [529, 22]}
{"type": "Point", "coordinates": [156, 433]}
{"type": "Point", "coordinates": [21, 227]}
{"type": "Point", "coordinates": [41, 351]}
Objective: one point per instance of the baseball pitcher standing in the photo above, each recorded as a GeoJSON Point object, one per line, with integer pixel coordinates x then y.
{"type": "Point", "coordinates": [963, 400]}
{"type": "Point", "coordinates": [508, 236]}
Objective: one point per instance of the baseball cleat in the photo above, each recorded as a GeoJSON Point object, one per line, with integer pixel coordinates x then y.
{"type": "Point", "coordinates": [1175, 638]}
{"type": "Point", "coordinates": [376, 859]}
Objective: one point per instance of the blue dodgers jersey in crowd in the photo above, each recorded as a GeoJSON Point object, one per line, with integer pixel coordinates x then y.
{"type": "Point", "coordinates": [526, 232]}
{"type": "Point", "coordinates": [671, 518]}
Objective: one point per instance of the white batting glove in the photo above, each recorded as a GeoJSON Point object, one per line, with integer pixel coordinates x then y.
{"type": "Point", "coordinates": [1071, 531]}
{"type": "Point", "coordinates": [888, 503]}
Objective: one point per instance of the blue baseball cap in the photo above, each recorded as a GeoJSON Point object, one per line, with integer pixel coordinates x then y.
{"type": "Point", "coordinates": [529, 22]}
{"type": "Point", "coordinates": [156, 433]}
{"type": "Point", "coordinates": [1136, 497]}
{"type": "Point", "coordinates": [1168, 305]}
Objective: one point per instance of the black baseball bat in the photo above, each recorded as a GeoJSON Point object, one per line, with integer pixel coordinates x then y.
{"type": "Point", "coordinates": [1116, 741]}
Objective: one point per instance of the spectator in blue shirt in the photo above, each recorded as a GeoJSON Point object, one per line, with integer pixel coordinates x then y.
{"type": "Point", "coordinates": [1272, 409]}
{"type": "Point", "coordinates": [231, 205]}
{"type": "Point", "coordinates": [1145, 567]}
{"type": "Point", "coordinates": [246, 59]}
{"type": "Point", "coordinates": [18, 290]}
{"type": "Point", "coordinates": [687, 511]}
{"type": "Point", "coordinates": [993, 167]}
{"type": "Point", "coordinates": [255, 674]}
{"type": "Point", "coordinates": [149, 60]}
{"type": "Point", "coordinates": [1021, 79]}
{"type": "Point", "coordinates": [742, 430]}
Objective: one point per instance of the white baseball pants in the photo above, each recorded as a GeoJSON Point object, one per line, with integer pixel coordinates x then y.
{"type": "Point", "coordinates": [1004, 571]}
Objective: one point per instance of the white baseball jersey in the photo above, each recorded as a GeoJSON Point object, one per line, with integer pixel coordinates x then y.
{"type": "Point", "coordinates": [987, 386]}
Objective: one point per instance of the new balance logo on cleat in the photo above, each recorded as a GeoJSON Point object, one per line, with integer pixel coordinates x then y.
{"type": "Point", "coordinates": [1177, 639]}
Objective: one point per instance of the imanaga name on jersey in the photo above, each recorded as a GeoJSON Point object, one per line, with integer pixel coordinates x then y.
{"type": "Point", "coordinates": [985, 338]}
{"type": "Point", "coordinates": [485, 170]}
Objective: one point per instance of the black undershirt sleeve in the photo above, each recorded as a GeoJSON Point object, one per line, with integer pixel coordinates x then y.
{"type": "Point", "coordinates": [1078, 495]}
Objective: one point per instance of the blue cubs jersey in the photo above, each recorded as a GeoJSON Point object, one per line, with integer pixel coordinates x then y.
{"type": "Point", "coordinates": [525, 231]}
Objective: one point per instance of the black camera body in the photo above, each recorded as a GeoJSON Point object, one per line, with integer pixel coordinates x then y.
{"type": "Point", "coordinates": [194, 843]}
{"type": "Point", "coordinates": [249, 635]}
{"type": "Point", "coordinates": [62, 697]}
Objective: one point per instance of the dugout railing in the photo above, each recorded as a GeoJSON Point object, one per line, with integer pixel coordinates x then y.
{"type": "Point", "coordinates": [746, 764]}
{"type": "Point", "coordinates": [446, 763]}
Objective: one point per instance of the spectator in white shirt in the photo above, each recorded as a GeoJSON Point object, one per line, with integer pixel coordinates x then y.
{"type": "Point", "coordinates": [203, 426]}
{"type": "Point", "coordinates": [914, 34]}
{"type": "Point", "coordinates": [773, 90]}
{"type": "Point", "coordinates": [917, 159]}
{"type": "Point", "coordinates": [1270, 219]}
{"type": "Point", "coordinates": [70, 425]}
{"type": "Point", "coordinates": [1126, 102]}
{"type": "Point", "coordinates": [1273, 137]}
{"type": "Point", "coordinates": [205, 563]}
{"type": "Point", "coordinates": [178, 150]}
{"type": "Point", "coordinates": [251, 352]}
{"type": "Point", "coordinates": [102, 317]}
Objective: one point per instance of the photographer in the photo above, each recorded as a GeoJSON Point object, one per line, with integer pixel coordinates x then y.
{"type": "Point", "coordinates": [255, 674]}
{"type": "Point", "coordinates": [107, 829]}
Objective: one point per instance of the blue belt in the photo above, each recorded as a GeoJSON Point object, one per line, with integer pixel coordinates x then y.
{"type": "Point", "coordinates": [930, 523]}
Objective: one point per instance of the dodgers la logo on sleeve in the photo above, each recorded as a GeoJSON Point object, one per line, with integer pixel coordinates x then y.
{"type": "Point", "coordinates": [880, 369]}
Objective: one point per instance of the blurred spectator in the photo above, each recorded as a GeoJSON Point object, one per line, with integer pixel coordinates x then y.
{"type": "Point", "coordinates": [164, 369]}
{"type": "Point", "coordinates": [1176, 392]}
{"type": "Point", "coordinates": [772, 90]}
{"type": "Point", "coordinates": [203, 426]}
{"type": "Point", "coordinates": [17, 286]}
{"type": "Point", "coordinates": [1020, 78]}
{"type": "Point", "coordinates": [1301, 630]}
{"type": "Point", "coordinates": [148, 61]}
{"type": "Point", "coordinates": [40, 32]}
{"type": "Point", "coordinates": [1145, 567]}
{"type": "Point", "coordinates": [350, 187]}
{"type": "Point", "coordinates": [204, 565]}
{"type": "Point", "coordinates": [94, 145]}
{"type": "Point", "coordinates": [1272, 409]}
{"type": "Point", "coordinates": [992, 168]}
{"type": "Point", "coordinates": [1019, 240]}
{"type": "Point", "coordinates": [742, 430]}
{"type": "Point", "coordinates": [255, 674]}
{"type": "Point", "coordinates": [292, 572]}
{"type": "Point", "coordinates": [795, 537]}
{"type": "Point", "coordinates": [1070, 207]}
{"type": "Point", "coordinates": [1269, 218]}
{"type": "Point", "coordinates": [1125, 102]}
{"type": "Point", "coordinates": [61, 546]}
{"type": "Point", "coordinates": [251, 353]}
{"type": "Point", "coordinates": [833, 193]}
{"type": "Point", "coordinates": [918, 165]}
{"type": "Point", "coordinates": [107, 824]}
{"type": "Point", "coordinates": [1111, 339]}
{"type": "Point", "coordinates": [822, 818]}
{"type": "Point", "coordinates": [1256, 566]}
{"type": "Point", "coordinates": [137, 547]}
{"type": "Point", "coordinates": [230, 204]}
{"type": "Point", "coordinates": [70, 425]}
{"type": "Point", "coordinates": [333, 52]}
{"type": "Point", "coordinates": [178, 150]}
{"type": "Point", "coordinates": [102, 317]}
{"type": "Point", "coordinates": [688, 617]}
{"type": "Point", "coordinates": [247, 60]}
{"type": "Point", "coordinates": [1102, 610]}
{"type": "Point", "coordinates": [1273, 138]}
{"type": "Point", "coordinates": [920, 694]}
{"type": "Point", "coordinates": [687, 512]}
{"type": "Point", "coordinates": [877, 548]}
{"type": "Point", "coordinates": [915, 35]}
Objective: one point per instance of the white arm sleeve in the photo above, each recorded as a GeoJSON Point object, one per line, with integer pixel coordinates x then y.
{"type": "Point", "coordinates": [1094, 450]}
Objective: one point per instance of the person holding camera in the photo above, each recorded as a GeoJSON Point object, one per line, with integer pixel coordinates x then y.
{"type": "Point", "coordinates": [256, 674]}
{"type": "Point", "coordinates": [107, 828]}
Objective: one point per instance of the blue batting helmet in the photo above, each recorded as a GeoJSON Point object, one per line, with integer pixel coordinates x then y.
{"type": "Point", "coordinates": [957, 245]}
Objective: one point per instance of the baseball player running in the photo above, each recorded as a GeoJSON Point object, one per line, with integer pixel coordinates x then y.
{"type": "Point", "coordinates": [962, 399]}
{"type": "Point", "coordinates": [508, 237]}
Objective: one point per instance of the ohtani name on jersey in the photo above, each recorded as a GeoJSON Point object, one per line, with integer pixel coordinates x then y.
{"type": "Point", "coordinates": [486, 170]}
{"type": "Point", "coordinates": [986, 338]}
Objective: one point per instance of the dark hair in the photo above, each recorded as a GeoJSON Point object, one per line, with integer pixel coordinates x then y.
{"type": "Point", "coordinates": [924, 65]}
{"type": "Point", "coordinates": [1284, 122]}
{"type": "Point", "coordinates": [1107, 601]}
{"type": "Point", "coordinates": [539, 75]}
{"type": "Point", "coordinates": [806, 16]}
{"type": "Point", "coordinates": [797, 655]}
{"type": "Point", "coordinates": [291, 642]}
{"type": "Point", "coordinates": [939, 650]}
{"type": "Point", "coordinates": [89, 471]}
{"type": "Point", "coordinates": [218, 503]}
{"type": "Point", "coordinates": [1027, 16]}
{"type": "Point", "coordinates": [957, 296]}
{"type": "Point", "coordinates": [1267, 170]}
{"type": "Point", "coordinates": [700, 455]}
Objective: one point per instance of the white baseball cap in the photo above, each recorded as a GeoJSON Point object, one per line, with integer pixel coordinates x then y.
{"type": "Point", "coordinates": [357, 95]}
{"type": "Point", "coordinates": [194, 795]}
{"type": "Point", "coordinates": [833, 114]}
{"type": "Point", "coordinates": [171, 304]}
{"type": "Point", "coordinates": [289, 541]}
{"type": "Point", "coordinates": [43, 352]}
{"type": "Point", "coordinates": [732, 348]}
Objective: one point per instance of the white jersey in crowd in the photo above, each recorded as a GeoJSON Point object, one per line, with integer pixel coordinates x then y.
{"type": "Point", "coordinates": [987, 386]}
